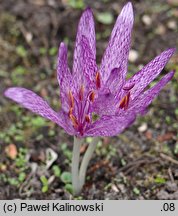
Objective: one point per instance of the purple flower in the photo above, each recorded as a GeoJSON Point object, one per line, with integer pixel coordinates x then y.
{"type": "Point", "coordinates": [98, 100]}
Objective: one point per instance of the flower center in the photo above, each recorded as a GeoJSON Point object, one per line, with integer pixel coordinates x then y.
{"type": "Point", "coordinates": [79, 111]}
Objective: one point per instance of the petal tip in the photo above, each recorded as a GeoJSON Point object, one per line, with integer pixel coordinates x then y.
{"type": "Point", "coordinates": [14, 93]}
{"type": "Point", "coordinates": [62, 45]}
{"type": "Point", "coordinates": [127, 11]}
{"type": "Point", "coordinates": [88, 9]}
{"type": "Point", "coordinates": [169, 52]}
{"type": "Point", "coordinates": [62, 51]}
{"type": "Point", "coordinates": [129, 4]}
{"type": "Point", "coordinates": [8, 92]}
{"type": "Point", "coordinates": [173, 49]}
{"type": "Point", "coordinates": [171, 74]}
{"type": "Point", "coordinates": [5, 93]}
{"type": "Point", "coordinates": [87, 12]}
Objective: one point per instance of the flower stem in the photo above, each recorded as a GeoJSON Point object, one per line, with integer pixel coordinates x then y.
{"type": "Point", "coordinates": [86, 160]}
{"type": "Point", "coordinates": [75, 165]}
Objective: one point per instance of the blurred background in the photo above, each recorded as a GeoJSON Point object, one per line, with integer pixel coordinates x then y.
{"type": "Point", "coordinates": [141, 163]}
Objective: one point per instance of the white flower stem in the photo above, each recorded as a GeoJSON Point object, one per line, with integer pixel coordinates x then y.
{"type": "Point", "coordinates": [75, 165]}
{"type": "Point", "coordinates": [86, 160]}
{"type": "Point", "coordinates": [78, 177]}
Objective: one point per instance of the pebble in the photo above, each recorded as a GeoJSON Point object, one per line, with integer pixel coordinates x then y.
{"type": "Point", "coordinates": [29, 36]}
{"type": "Point", "coordinates": [175, 12]}
{"type": "Point", "coordinates": [171, 186]}
{"type": "Point", "coordinates": [173, 2]}
{"type": "Point", "coordinates": [122, 188]}
{"type": "Point", "coordinates": [52, 3]}
{"type": "Point", "coordinates": [161, 30]}
{"type": "Point", "coordinates": [172, 25]}
{"type": "Point", "coordinates": [143, 127]}
{"type": "Point", "coordinates": [175, 195]}
{"type": "Point", "coordinates": [114, 188]}
{"type": "Point", "coordinates": [11, 151]}
{"type": "Point", "coordinates": [140, 66]}
{"type": "Point", "coordinates": [133, 55]}
{"type": "Point", "coordinates": [149, 135]}
{"type": "Point", "coordinates": [163, 195]}
{"type": "Point", "coordinates": [147, 20]}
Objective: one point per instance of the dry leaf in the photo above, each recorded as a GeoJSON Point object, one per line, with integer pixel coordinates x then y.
{"type": "Point", "coordinates": [11, 151]}
{"type": "Point", "coordinates": [165, 137]}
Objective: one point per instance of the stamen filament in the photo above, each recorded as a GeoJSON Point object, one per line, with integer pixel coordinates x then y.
{"type": "Point", "coordinates": [74, 120]}
{"type": "Point", "coordinates": [81, 93]}
{"type": "Point", "coordinates": [71, 99]}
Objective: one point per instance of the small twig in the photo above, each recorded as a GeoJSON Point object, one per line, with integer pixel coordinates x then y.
{"type": "Point", "coordinates": [170, 174]}
{"type": "Point", "coordinates": [6, 45]}
{"type": "Point", "coordinates": [51, 157]}
{"type": "Point", "coordinates": [136, 164]}
{"type": "Point", "coordinates": [27, 35]}
{"type": "Point", "coordinates": [168, 158]}
{"type": "Point", "coordinates": [26, 184]}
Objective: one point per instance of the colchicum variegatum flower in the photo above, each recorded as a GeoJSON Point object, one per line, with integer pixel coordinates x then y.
{"type": "Point", "coordinates": [89, 90]}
